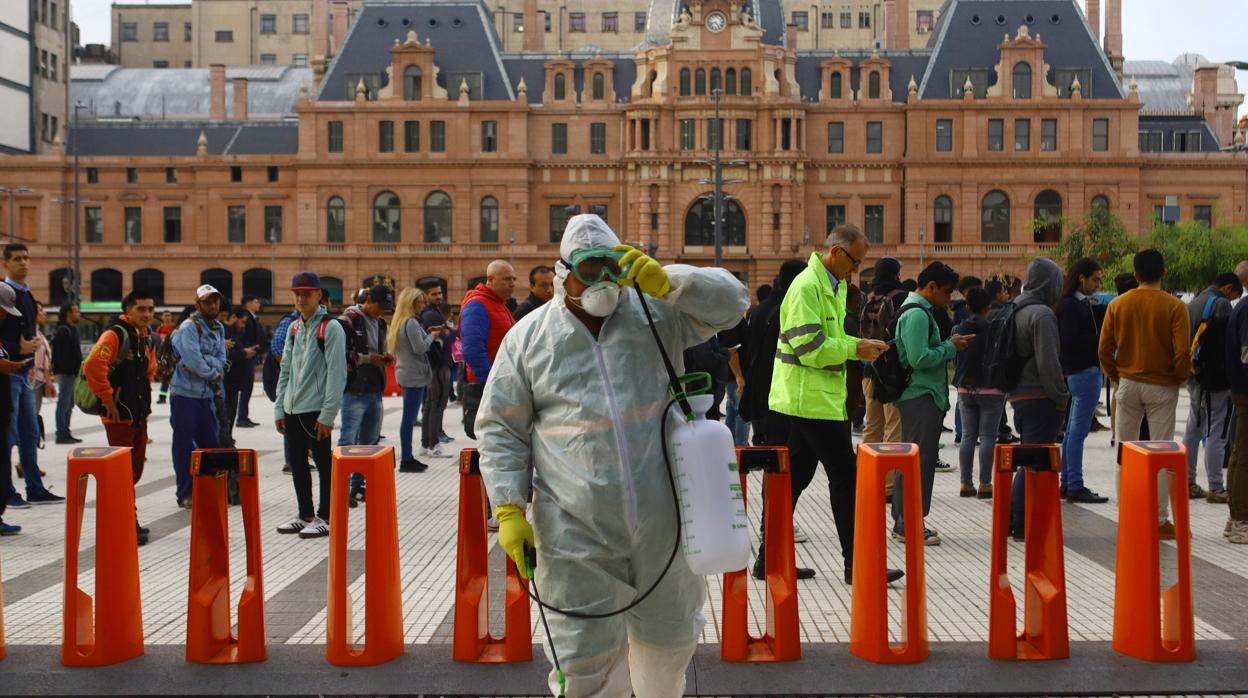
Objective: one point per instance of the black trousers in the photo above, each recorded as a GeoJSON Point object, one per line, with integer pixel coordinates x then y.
{"type": "Point", "coordinates": [6, 469]}
{"type": "Point", "coordinates": [300, 438]}
{"type": "Point", "coordinates": [437, 394]}
{"type": "Point", "coordinates": [472, 401]}
{"type": "Point", "coordinates": [244, 401]}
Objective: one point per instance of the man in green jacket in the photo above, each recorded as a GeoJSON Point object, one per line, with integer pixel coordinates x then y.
{"type": "Point", "coordinates": [925, 400]}
{"type": "Point", "coordinates": [808, 382]}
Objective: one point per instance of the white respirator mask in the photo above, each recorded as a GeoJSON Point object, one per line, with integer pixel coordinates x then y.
{"type": "Point", "coordinates": [600, 299]}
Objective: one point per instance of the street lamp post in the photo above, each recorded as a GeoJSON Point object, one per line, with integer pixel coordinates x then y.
{"type": "Point", "coordinates": [718, 198]}
{"type": "Point", "coordinates": [11, 191]}
{"type": "Point", "coordinates": [75, 295]}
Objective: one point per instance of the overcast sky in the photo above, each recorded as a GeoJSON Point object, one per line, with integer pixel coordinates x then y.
{"type": "Point", "coordinates": [1152, 28]}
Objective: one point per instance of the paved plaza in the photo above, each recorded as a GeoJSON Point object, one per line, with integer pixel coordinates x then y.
{"type": "Point", "coordinates": [295, 579]}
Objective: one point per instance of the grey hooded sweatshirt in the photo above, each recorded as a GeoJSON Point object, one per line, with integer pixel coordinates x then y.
{"type": "Point", "coordinates": [1036, 335]}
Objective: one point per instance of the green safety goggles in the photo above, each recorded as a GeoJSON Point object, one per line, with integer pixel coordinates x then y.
{"type": "Point", "coordinates": [593, 264]}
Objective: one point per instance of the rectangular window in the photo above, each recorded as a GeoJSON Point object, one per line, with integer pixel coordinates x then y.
{"type": "Point", "coordinates": [745, 135]}
{"type": "Point", "coordinates": [473, 80]}
{"type": "Point", "coordinates": [268, 59]}
{"type": "Point", "coordinates": [1100, 135]}
{"type": "Point", "coordinates": [801, 20]}
{"type": "Point", "coordinates": [714, 133]}
{"type": "Point", "coordinates": [864, 20]}
{"type": "Point", "coordinates": [1152, 141]}
{"type": "Point", "coordinates": [1203, 214]}
{"type": "Point", "coordinates": [43, 63]}
{"type": "Point", "coordinates": [171, 175]}
{"type": "Point", "coordinates": [173, 224]}
{"type": "Point", "coordinates": [129, 31]}
{"type": "Point", "coordinates": [133, 224]}
{"type": "Point", "coordinates": [385, 136]}
{"type": "Point", "coordinates": [944, 135]}
{"type": "Point", "coordinates": [132, 175]}
{"type": "Point", "coordinates": [598, 138]}
{"type": "Point", "coordinates": [979, 83]}
{"type": "Point", "coordinates": [834, 215]}
{"type": "Point", "coordinates": [273, 173]}
{"type": "Point", "coordinates": [996, 135]}
{"type": "Point", "coordinates": [576, 21]}
{"type": "Point", "coordinates": [558, 221]}
{"type": "Point", "coordinates": [437, 136]}
{"type": "Point", "coordinates": [236, 173]}
{"type": "Point", "coordinates": [1187, 141]}
{"type": "Point", "coordinates": [54, 71]}
{"type": "Point", "coordinates": [1064, 80]}
{"type": "Point", "coordinates": [335, 136]}
{"type": "Point", "coordinates": [272, 224]}
{"type": "Point", "coordinates": [827, 20]}
{"type": "Point", "coordinates": [875, 137]}
{"type": "Point", "coordinates": [847, 20]}
{"type": "Point", "coordinates": [489, 136]}
{"type": "Point", "coordinates": [599, 210]}
{"type": "Point", "coordinates": [299, 60]}
{"type": "Point", "coordinates": [559, 139]}
{"type": "Point", "coordinates": [223, 36]}
{"type": "Point", "coordinates": [236, 224]}
{"type": "Point", "coordinates": [187, 34]}
{"type": "Point", "coordinates": [639, 21]}
{"type": "Point", "coordinates": [517, 22]}
{"type": "Point", "coordinates": [1048, 135]}
{"type": "Point", "coordinates": [93, 175]}
{"type": "Point", "coordinates": [1022, 135]}
{"type": "Point", "coordinates": [299, 24]}
{"type": "Point", "coordinates": [546, 21]}
{"type": "Point", "coordinates": [94, 224]}
{"type": "Point", "coordinates": [688, 139]}
{"type": "Point", "coordinates": [411, 136]}
{"type": "Point", "coordinates": [160, 64]}
{"type": "Point", "coordinates": [160, 31]}
{"type": "Point", "coordinates": [873, 224]}
{"type": "Point", "coordinates": [611, 22]}
{"type": "Point", "coordinates": [924, 21]}
{"type": "Point", "coordinates": [836, 137]}
{"type": "Point", "coordinates": [268, 24]}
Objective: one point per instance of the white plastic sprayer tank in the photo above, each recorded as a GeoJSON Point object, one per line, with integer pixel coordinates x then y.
{"type": "Point", "coordinates": [715, 528]}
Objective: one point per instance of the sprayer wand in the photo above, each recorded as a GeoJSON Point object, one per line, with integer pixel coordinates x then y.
{"type": "Point", "coordinates": [530, 562]}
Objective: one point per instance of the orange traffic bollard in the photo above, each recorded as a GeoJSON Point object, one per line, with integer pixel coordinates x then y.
{"type": "Point", "coordinates": [781, 640]}
{"type": "Point", "coordinates": [209, 637]}
{"type": "Point", "coordinates": [383, 603]}
{"type": "Point", "coordinates": [1145, 628]}
{"type": "Point", "coordinates": [1045, 634]}
{"type": "Point", "coordinates": [106, 628]}
{"type": "Point", "coordinates": [392, 384]}
{"type": "Point", "coordinates": [473, 642]}
{"type": "Point", "coordinates": [868, 635]}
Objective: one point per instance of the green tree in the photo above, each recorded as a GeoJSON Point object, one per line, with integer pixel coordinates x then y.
{"type": "Point", "coordinates": [1196, 253]}
{"type": "Point", "coordinates": [1100, 235]}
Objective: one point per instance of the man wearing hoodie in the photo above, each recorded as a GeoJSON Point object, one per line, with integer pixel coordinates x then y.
{"type": "Point", "coordinates": [1039, 397]}
{"type": "Point", "coordinates": [1209, 386]}
{"type": "Point", "coordinates": [882, 422]}
{"type": "Point", "coordinates": [361, 405]}
{"type": "Point", "coordinates": [483, 322]}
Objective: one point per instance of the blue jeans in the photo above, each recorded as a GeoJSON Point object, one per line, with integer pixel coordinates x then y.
{"type": "Point", "coordinates": [361, 424]}
{"type": "Point", "coordinates": [739, 427]}
{"type": "Point", "coordinates": [64, 403]}
{"type": "Point", "coordinates": [1085, 393]}
{"type": "Point", "coordinates": [194, 423]}
{"type": "Point", "coordinates": [412, 398]}
{"type": "Point", "coordinates": [24, 432]}
{"type": "Point", "coordinates": [1037, 422]}
{"type": "Point", "coordinates": [981, 414]}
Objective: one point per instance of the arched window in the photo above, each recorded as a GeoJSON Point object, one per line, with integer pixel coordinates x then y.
{"type": "Point", "coordinates": [387, 218]}
{"type": "Point", "coordinates": [942, 219]}
{"type": "Point", "coordinates": [561, 86]}
{"type": "Point", "coordinates": [654, 77]}
{"type": "Point", "coordinates": [699, 82]}
{"type": "Point", "coordinates": [411, 83]}
{"type": "Point", "coordinates": [335, 220]}
{"type": "Point", "coordinates": [220, 279]}
{"type": "Point", "coordinates": [489, 219]}
{"type": "Point", "coordinates": [150, 280]}
{"type": "Point", "coordinates": [1022, 81]}
{"type": "Point", "coordinates": [995, 223]}
{"type": "Point", "coordinates": [59, 281]}
{"type": "Point", "coordinates": [332, 286]}
{"type": "Point", "coordinates": [730, 81]}
{"type": "Point", "coordinates": [600, 86]}
{"type": "Point", "coordinates": [700, 223]}
{"type": "Point", "coordinates": [1100, 201]}
{"type": "Point", "coordinates": [837, 89]}
{"type": "Point", "coordinates": [685, 89]}
{"type": "Point", "coordinates": [717, 81]}
{"type": "Point", "coordinates": [1048, 225]}
{"type": "Point", "coordinates": [106, 285]}
{"type": "Point", "coordinates": [873, 85]}
{"type": "Point", "coordinates": [746, 77]}
{"type": "Point", "coordinates": [258, 282]}
{"type": "Point", "coordinates": [438, 218]}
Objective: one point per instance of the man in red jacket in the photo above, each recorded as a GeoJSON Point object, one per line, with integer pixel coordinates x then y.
{"type": "Point", "coordinates": [483, 321]}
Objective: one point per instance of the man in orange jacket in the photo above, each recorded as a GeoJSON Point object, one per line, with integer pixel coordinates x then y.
{"type": "Point", "coordinates": [119, 371]}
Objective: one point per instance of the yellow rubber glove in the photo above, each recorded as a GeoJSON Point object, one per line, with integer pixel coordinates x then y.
{"type": "Point", "coordinates": [514, 532]}
{"type": "Point", "coordinates": [643, 272]}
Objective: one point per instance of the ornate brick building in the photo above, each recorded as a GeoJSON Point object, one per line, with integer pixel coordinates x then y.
{"type": "Point", "coordinates": [424, 150]}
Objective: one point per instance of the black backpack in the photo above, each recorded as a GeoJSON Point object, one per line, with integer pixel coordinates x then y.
{"type": "Point", "coordinates": [1208, 364]}
{"type": "Point", "coordinates": [878, 316]}
{"type": "Point", "coordinates": [1002, 365]}
{"type": "Point", "coordinates": [890, 376]}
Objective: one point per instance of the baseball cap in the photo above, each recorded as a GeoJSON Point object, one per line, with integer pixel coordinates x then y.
{"type": "Point", "coordinates": [8, 297]}
{"type": "Point", "coordinates": [306, 281]}
{"type": "Point", "coordinates": [205, 291]}
{"type": "Point", "coordinates": [382, 295]}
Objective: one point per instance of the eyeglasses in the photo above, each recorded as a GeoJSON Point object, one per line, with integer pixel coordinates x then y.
{"type": "Point", "coordinates": [857, 262]}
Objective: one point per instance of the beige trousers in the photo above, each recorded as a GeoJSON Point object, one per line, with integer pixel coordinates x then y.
{"type": "Point", "coordinates": [883, 422]}
{"type": "Point", "coordinates": [1133, 402]}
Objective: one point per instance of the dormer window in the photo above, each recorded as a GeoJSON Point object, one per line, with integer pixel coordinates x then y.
{"type": "Point", "coordinates": [599, 87]}
{"type": "Point", "coordinates": [411, 83]}
{"type": "Point", "coordinates": [873, 85]}
{"type": "Point", "coordinates": [979, 80]}
{"type": "Point", "coordinates": [561, 87]}
{"type": "Point", "coordinates": [1064, 79]}
{"type": "Point", "coordinates": [837, 85]}
{"type": "Point", "coordinates": [1022, 81]}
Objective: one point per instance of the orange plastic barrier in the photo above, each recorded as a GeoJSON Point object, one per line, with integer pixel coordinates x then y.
{"type": "Point", "coordinates": [392, 384]}
{"type": "Point", "coordinates": [473, 642]}
{"type": "Point", "coordinates": [1141, 628]}
{"type": "Point", "coordinates": [383, 603]}
{"type": "Point", "coordinates": [209, 637]}
{"type": "Point", "coordinates": [868, 635]}
{"type": "Point", "coordinates": [1045, 634]}
{"type": "Point", "coordinates": [781, 641]}
{"type": "Point", "coordinates": [106, 628]}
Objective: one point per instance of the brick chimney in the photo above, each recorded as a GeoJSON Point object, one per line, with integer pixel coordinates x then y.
{"type": "Point", "coordinates": [337, 25]}
{"type": "Point", "coordinates": [790, 37]}
{"type": "Point", "coordinates": [1206, 102]}
{"type": "Point", "coordinates": [1113, 34]}
{"type": "Point", "coordinates": [320, 28]}
{"type": "Point", "coordinates": [897, 19]}
{"type": "Point", "coordinates": [240, 99]}
{"type": "Point", "coordinates": [534, 27]}
{"type": "Point", "coordinates": [216, 80]}
{"type": "Point", "coordinates": [1094, 19]}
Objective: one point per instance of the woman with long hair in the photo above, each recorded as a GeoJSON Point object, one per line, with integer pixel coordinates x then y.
{"type": "Point", "coordinates": [1079, 330]}
{"type": "Point", "coordinates": [410, 343]}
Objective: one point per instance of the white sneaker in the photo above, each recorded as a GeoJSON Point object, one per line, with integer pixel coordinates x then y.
{"type": "Point", "coordinates": [317, 528]}
{"type": "Point", "coordinates": [799, 536]}
{"type": "Point", "coordinates": [1239, 533]}
{"type": "Point", "coordinates": [295, 525]}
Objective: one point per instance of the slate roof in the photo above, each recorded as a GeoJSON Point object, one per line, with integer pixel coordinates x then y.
{"type": "Point", "coordinates": [180, 138]}
{"type": "Point", "coordinates": [970, 31]}
{"type": "Point", "coordinates": [1168, 126]}
{"type": "Point", "coordinates": [905, 63]}
{"type": "Point", "coordinates": [184, 93]}
{"type": "Point", "coordinates": [662, 14]}
{"type": "Point", "coordinates": [531, 67]}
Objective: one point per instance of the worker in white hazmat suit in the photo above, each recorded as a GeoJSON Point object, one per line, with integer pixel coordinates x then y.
{"type": "Point", "coordinates": [579, 386]}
